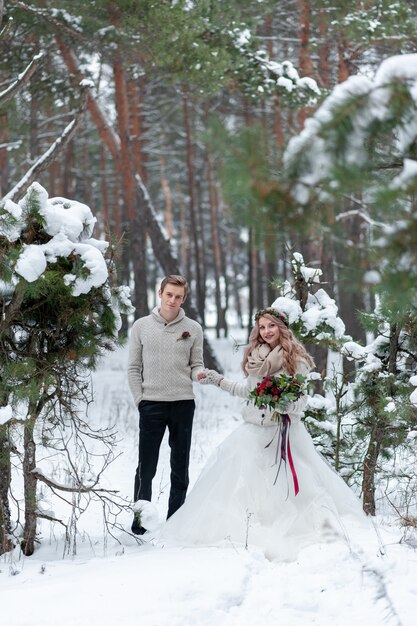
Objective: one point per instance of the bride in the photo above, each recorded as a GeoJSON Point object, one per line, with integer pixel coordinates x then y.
{"type": "Point", "coordinates": [241, 497]}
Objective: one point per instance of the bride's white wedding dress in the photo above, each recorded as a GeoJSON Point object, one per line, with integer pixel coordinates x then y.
{"type": "Point", "coordinates": [239, 499]}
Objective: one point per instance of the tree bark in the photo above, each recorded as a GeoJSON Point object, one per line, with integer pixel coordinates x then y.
{"type": "Point", "coordinates": [324, 67]}
{"type": "Point", "coordinates": [136, 93]}
{"type": "Point", "coordinates": [30, 483]}
{"type": "Point", "coordinates": [4, 155]}
{"type": "Point", "coordinates": [369, 470]}
{"type": "Point", "coordinates": [350, 288]}
{"type": "Point", "coordinates": [216, 247]}
{"type": "Point", "coordinates": [343, 63]}
{"type": "Point", "coordinates": [6, 543]}
{"type": "Point", "coordinates": [377, 433]}
{"type": "Point", "coordinates": [305, 63]}
{"type": "Point", "coordinates": [193, 217]}
{"type": "Point", "coordinates": [105, 204]}
{"type": "Point", "coordinates": [68, 179]}
{"type": "Point", "coordinates": [168, 198]}
{"type": "Point", "coordinates": [231, 247]}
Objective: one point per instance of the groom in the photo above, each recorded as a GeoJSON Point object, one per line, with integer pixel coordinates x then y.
{"type": "Point", "coordinates": [165, 356]}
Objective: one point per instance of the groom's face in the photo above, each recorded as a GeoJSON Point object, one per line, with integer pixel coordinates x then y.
{"type": "Point", "coordinates": [171, 299]}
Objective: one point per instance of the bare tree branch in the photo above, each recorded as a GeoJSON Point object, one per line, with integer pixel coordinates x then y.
{"type": "Point", "coordinates": [43, 162]}
{"type": "Point", "coordinates": [44, 14]}
{"type": "Point", "coordinates": [50, 518]}
{"type": "Point", "coordinates": [22, 79]}
{"type": "Point", "coordinates": [68, 488]}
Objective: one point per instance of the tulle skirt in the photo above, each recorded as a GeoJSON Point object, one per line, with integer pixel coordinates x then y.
{"type": "Point", "coordinates": [239, 500]}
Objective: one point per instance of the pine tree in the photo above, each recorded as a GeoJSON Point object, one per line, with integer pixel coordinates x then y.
{"type": "Point", "coordinates": [61, 310]}
{"type": "Point", "coordinates": [365, 421]}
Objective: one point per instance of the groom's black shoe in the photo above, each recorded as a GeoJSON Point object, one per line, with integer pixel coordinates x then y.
{"type": "Point", "coordinates": [137, 529]}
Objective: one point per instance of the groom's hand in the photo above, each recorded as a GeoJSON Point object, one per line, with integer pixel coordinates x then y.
{"type": "Point", "coordinates": [210, 377]}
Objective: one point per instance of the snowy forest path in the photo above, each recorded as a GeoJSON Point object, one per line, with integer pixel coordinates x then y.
{"type": "Point", "coordinates": [330, 584]}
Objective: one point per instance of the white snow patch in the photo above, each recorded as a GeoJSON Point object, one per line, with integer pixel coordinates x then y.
{"type": "Point", "coordinates": [6, 414]}
{"type": "Point", "coordinates": [31, 263]}
{"type": "Point", "coordinates": [290, 307]}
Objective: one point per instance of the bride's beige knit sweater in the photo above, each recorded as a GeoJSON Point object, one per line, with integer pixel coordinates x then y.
{"type": "Point", "coordinates": [164, 357]}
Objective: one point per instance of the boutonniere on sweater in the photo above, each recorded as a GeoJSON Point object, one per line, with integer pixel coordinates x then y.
{"type": "Point", "coordinates": [184, 335]}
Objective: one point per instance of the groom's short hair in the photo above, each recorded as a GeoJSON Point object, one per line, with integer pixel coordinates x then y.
{"type": "Point", "coordinates": [175, 279]}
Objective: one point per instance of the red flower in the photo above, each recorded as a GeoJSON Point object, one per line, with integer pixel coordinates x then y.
{"type": "Point", "coordinates": [184, 335]}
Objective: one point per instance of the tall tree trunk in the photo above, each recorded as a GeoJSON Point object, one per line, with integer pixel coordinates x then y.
{"type": "Point", "coordinates": [193, 216]}
{"type": "Point", "coordinates": [6, 543]}
{"type": "Point", "coordinates": [168, 198]}
{"type": "Point", "coordinates": [278, 123]}
{"type": "Point", "coordinates": [34, 148]}
{"type": "Point", "coordinates": [377, 432]}
{"type": "Point", "coordinates": [30, 483]}
{"type": "Point", "coordinates": [251, 278]}
{"type": "Point", "coordinates": [4, 155]}
{"type": "Point", "coordinates": [324, 67]}
{"type": "Point", "coordinates": [69, 181]}
{"type": "Point", "coordinates": [134, 254]}
{"type": "Point", "coordinates": [104, 188]}
{"type": "Point", "coordinates": [185, 257]}
{"type": "Point", "coordinates": [85, 175]}
{"type": "Point", "coordinates": [369, 469]}
{"type": "Point", "coordinates": [350, 284]}
{"type": "Point", "coordinates": [236, 269]}
{"type": "Point", "coordinates": [136, 97]}
{"type": "Point", "coordinates": [305, 63]}
{"type": "Point", "coordinates": [215, 243]}
{"type": "Point", "coordinates": [343, 62]}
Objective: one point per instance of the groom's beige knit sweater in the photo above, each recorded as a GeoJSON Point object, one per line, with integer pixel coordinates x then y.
{"type": "Point", "coordinates": [164, 357]}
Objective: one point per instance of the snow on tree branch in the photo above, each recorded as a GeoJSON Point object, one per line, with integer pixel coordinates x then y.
{"type": "Point", "coordinates": [22, 79]}
{"type": "Point", "coordinates": [59, 144]}
{"type": "Point", "coordinates": [338, 134]}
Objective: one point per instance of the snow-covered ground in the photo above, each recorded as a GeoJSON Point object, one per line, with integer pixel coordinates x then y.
{"type": "Point", "coordinates": [108, 583]}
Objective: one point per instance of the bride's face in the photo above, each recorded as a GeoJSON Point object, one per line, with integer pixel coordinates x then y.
{"type": "Point", "coordinates": [269, 331]}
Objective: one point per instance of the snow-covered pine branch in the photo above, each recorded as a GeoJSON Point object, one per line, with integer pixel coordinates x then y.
{"type": "Point", "coordinates": [326, 146]}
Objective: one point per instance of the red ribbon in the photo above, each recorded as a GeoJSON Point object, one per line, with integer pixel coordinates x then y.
{"type": "Point", "coordinates": [284, 449]}
{"type": "Point", "coordinates": [293, 472]}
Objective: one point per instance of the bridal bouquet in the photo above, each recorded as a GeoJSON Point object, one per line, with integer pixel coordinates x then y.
{"type": "Point", "coordinates": [276, 392]}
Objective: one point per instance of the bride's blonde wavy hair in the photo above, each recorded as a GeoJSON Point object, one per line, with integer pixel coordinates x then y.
{"type": "Point", "coordinates": [293, 351]}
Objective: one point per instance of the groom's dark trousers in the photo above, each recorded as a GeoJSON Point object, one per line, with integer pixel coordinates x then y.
{"type": "Point", "coordinates": [154, 418]}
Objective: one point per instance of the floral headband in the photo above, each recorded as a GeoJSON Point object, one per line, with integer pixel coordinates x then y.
{"type": "Point", "coordinates": [274, 312]}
